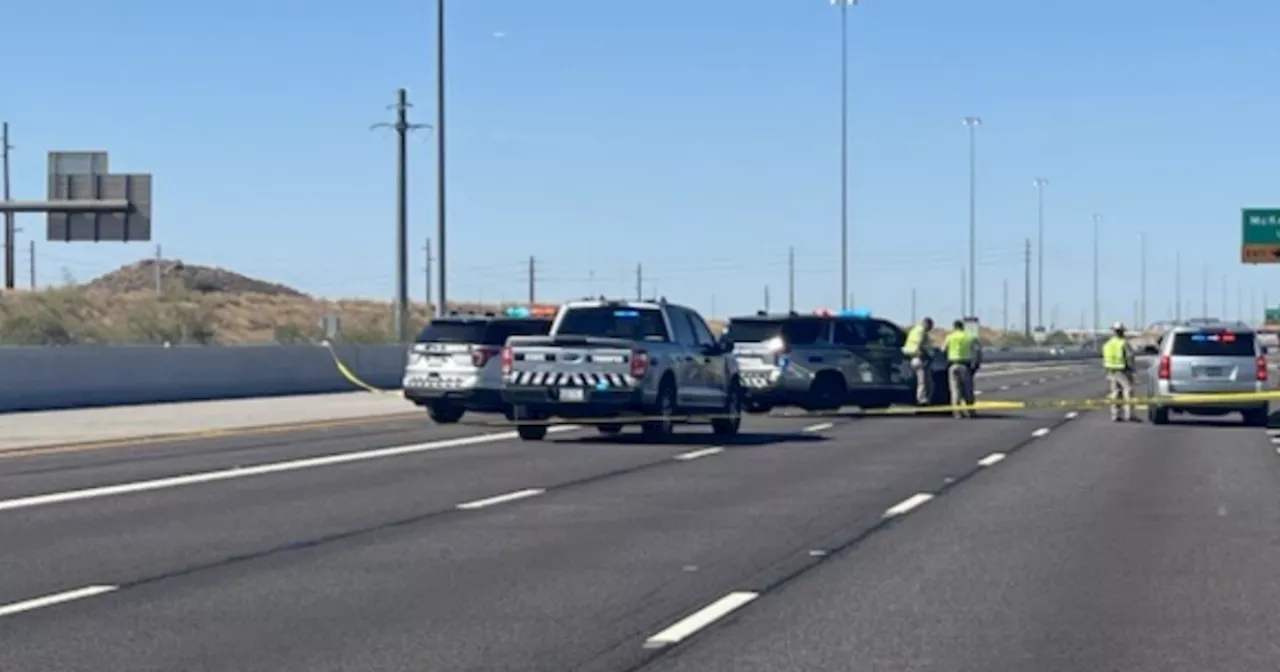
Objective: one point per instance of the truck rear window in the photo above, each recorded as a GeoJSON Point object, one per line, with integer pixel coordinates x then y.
{"type": "Point", "coordinates": [481, 332]}
{"type": "Point", "coordinates": [795, 331]}
{"type": "Point", "coordinates": [635, 324]}
{"type": "Point", "coordinates": [1214, 344]}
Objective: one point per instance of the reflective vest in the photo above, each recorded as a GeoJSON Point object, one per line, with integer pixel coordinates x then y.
{"type": "Point", "coordinates": [1113, 354]}
{"type": "Point", "coordinates": [959, 346]}
{"type": "Point", "coordinates": [917, 341]}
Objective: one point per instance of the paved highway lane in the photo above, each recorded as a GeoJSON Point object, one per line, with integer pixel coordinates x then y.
{"type": "Point", "coordinates": [1102, 547]}
{"type": "Point", "coordinates": [371, 565]}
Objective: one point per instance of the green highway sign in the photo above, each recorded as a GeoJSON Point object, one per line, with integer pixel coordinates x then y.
{"type": "Point", "coordinates": [1260, 235]}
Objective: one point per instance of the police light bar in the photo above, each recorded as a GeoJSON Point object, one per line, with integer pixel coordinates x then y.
{"type": "Point", "coordinates": [822, 312]}
{"type": "Point", "coordinates": [855, 312]}
{"type": "Point", "coordinates": [518, 311]}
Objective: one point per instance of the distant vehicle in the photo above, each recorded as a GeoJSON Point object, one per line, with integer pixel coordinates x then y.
{"type": "Point", "coordinates": [825, 360]}
{"type": "Point", "coordinates": [1208, 359]}
{"type": "Point", "coordinates": [623, 360]}
{"type": "Point", "coordinates": [453, 366]}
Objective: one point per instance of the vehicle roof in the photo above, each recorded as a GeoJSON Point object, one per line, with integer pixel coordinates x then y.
{"type": "Point", "coordinates": [1233, 327]}
{"type": "Point", "coordinates": [805, 316]}
{"type": "Point", "coordinates": [488, 317]}
{"type": "Point", "coordinates": [629, 303]}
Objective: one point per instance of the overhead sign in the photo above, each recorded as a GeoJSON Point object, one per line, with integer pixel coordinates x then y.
{"type": "Point", "coordinates": [1260, 235]}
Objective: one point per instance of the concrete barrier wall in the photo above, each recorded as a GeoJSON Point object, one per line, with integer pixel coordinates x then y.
{"type": "Point", "coordinates": [84, 376]}
{"type": "Point", "coordinates": [34, 379]}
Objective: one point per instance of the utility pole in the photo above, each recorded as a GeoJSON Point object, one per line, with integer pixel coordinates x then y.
{"type": "Point", "coordinates": [442, 300]}
{"type": "Point", "coordinates": [913, 305]}
{"type": "Point", "coordinates": [964, 309]}
{"type": "Point", "coordinates": [973, 123]}
{"type": "Point", "coordinates": [1224, 297]}
{"type": "Point", "coordinates": [532, 280]}
{"type": "Point", "coordinates": [766, 299]}
{"type": "Point", "coordinates": [1040, 184]}
{"type": "Point", "coordinates": [9, 241]}
{"type": "Point", "coordinates": [1004, 310]}
{"type": "Point", "coordinates": [1096, 305]}
{"type": "Point", "coordinates": [31, 265]}
{"type": "Point", "coordinates": [159, 289]}
{"type": "Point", "coordinates": [844, 150]}
{"type": "Point", "coordinates": [1204, 289]}
{"type": "Point", "coordinates": [1142, 295]}
{"type": "Point", "coordinates": [427, 279]}
{"type": "Point", "coordinates": [791, 280]}
{"type": "Point", "coordinates": [639, 282]}
{"type": "Point", "coordinates": [1177, 286]}
{"type": "Point", "coordinates": [1026, 309]}
{"type": "Point", "coordinates": [402, 128]}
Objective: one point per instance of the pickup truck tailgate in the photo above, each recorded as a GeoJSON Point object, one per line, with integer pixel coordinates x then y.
{"type": "Point", "coordinates": [570, 361]}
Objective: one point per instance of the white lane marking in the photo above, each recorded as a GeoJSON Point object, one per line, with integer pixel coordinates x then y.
{"type": "Point", "coordinates": [907, 504]}
{"type": "Point", "coordinates": [695, 454]}
{"type": "Point", "coordinates": [56, 598]}
{"type": "Point", "coordinates": [1040, 432]}
{"type": "Point", "coordinates": [1073, 415]}
{"type": "Point", "coordinates": [977, 392]}
{"type": "Point", "coordinates": [820, 427]}
{"type": "Point", "coordinates": [991, 459]}
{"type": "Point", "coordinates": [1004, 387]}
{"type": "Point", "coordinates": [1043, 379]}
{"type": "Point", "coordinates": [500, 499]}
{"type": "Point", "coordinates": [258, 470]}
{"type": "Point", "coordinates": [682, 629]}
{"type": "Point", "coordinates": [1026, 383]}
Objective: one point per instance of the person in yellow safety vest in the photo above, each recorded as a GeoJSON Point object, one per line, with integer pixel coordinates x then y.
{"type": "Point", "coordinates": [964, 356]}
{"type": "Point", "coordinates": [919, 350]}
{"type": "Point", "coordinates": [1117, 359]}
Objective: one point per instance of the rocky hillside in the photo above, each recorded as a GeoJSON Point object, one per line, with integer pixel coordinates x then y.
{"type": "Point", "coordinates": [175, 274]}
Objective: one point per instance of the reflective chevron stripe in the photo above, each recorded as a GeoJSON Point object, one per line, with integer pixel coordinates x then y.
{"type": "Point", "coordinates": [553, 378]}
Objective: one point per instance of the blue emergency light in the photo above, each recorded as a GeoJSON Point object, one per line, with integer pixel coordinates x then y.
{"type": "Point", "coordinates": [626, 313]}
{"type": "Point", "coordinates": [859, 313]}
{"type": "Point", "coordinates": [518, 311]}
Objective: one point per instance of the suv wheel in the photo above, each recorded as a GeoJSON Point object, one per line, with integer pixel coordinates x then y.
{"type": "Point", "coordinates": [1158, 415]}
{"type": "Point", "coordinates": [731, 421]}
{"type": "Point", "coordinates": [444, 413]}
{"type": "Point", "coordinates": [665, 409]}
{"type": "Point", "coordinates": [609, 429]}
{"type": "Point", "coordinates": [1255, 417]}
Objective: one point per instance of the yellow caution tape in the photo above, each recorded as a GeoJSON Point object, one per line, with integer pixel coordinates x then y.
{"type": "Point", "coordinates": [351, 377]}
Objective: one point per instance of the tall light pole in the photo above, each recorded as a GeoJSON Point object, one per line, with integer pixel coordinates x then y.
{"type": "Point", "coordinates": [973, 123]}
{"type": "Point", "coordinates": [844, 149]}
{"type": "Point", "coordinates": [1096, 321]}
{"type": "Point", "coordinates": [1040, 184]}
{"type": "Point", "coordinates": [442, 296]}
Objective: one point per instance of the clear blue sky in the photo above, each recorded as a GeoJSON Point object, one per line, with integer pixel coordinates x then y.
{"type": "Point", "coordinates": [700, 138]}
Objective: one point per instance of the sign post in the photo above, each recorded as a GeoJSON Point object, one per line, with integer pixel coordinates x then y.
{"type": "Point", "coordinates": [1260, 235]}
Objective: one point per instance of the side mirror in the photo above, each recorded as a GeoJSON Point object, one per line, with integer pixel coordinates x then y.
{"type": "Point", "coordinates": [724, 345]}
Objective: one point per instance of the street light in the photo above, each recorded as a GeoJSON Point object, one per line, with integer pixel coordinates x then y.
{"type": "Point", "coordinates": [1040, 184]}
{"type": "Point", "coordinates": [973, 123]}
{"type": "Point", "coordinates": [844, 149]}
{"type": "Point", "coordinates": [1096, 321]}
{"type": "Point", "coordinates": [441, 258]}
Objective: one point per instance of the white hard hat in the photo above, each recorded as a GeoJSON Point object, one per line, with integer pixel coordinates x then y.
{"type": "Point", "coordinates": [1118, 326]}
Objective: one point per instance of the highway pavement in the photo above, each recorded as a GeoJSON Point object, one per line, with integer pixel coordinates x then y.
{"type": "Point", "coordinates": [1033, 540]}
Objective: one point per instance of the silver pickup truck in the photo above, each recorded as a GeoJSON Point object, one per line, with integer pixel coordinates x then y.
{"type": "Point", "coordinates": [634, 361]}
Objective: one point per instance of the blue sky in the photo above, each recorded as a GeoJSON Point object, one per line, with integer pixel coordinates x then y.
{"type": "Point", "coordinates": [696, 137]}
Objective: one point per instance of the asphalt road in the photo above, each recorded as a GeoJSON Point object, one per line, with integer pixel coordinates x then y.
{"type": "Point", "coordinates": [1047, 544]}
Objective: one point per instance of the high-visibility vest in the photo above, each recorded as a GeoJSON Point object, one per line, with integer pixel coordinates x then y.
{"type": "Point", "coordinates": [917, 341]}
{"type": "Point", "coordinates": [1113, 354]}
{"type": "Point", "coordinates": [959, 347]}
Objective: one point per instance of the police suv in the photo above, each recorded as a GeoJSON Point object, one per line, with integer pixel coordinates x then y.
{"type": "Point", "coordinates": [453, 367]}
{"type": "Point", "coordinates": [643, 362]}
{"type": "Point", "coordinates": [826, 360]}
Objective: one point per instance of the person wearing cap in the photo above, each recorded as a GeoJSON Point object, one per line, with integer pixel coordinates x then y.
{"type": "Point", "coordinates": [1117, 359]}
{"type": "Point", "coordinates": [964, 355]}
{"type": "Point", "coordinates": [919, 351]}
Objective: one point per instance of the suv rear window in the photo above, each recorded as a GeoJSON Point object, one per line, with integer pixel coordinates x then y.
{"type": "Point", "coordinates": [1214, 344]}
{"type": "Point", "coordinates": [481, 332]}
{"type": "Point", "coordinates": [795, 331]}
{"type": "Point", "coordinates": [635, 324]}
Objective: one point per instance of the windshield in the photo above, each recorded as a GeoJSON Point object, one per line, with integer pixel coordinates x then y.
{"type": "Point", "coordinates": [1214, 344]}
{"type": "Point", "coordinates": [481, 332]}
{"type": "Point", "coordinates": [636, 324]}
{"type": "Point", "coordinates": [795, 331]}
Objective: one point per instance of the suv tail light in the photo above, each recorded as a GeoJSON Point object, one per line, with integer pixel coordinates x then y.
{"type": "Point", "coordinates": [639, 363]}
{"type": "Point", "coordinates": [1262, 367]}
{"type": "Point", "coordinates": [508, 359]}
{"type": "Point", "coordinates": [1165, 367]}
{"type": "Point", "coordinates": [480, 355]}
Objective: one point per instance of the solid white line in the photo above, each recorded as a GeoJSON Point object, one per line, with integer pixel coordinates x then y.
{"type": "Point", "coordinates": [682, 629]}
{"type": "Point", "coordinates": [991, 459]}
{"type": "Point", "coordinates": [57, 598]}
{"type": "Point", "coordinates": [509, 497]}
{"type": "Point", "coordinates": [258, 470]}
{"type": "Point", "coordinates": [693, 455]}
{"type": "Point", "coordinates": [907, 504]}
{"type": "Point", "coordinates": [1040, 432]}
{"type": "Point", "coordinates": [820, 427]}
{"type": "Point", "coordinates": [1073, 415]}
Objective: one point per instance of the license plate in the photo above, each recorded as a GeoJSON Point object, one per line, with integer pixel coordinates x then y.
{"type": "Point", "coordinates": [1212, 372]}
{"type": "Point", "coordinates": [572, 394]}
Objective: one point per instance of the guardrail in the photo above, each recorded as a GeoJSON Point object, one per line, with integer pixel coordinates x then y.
{"type": "Point", "coordinates": [36, 378]}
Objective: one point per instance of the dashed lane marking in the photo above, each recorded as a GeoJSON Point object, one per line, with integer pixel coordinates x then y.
{"type": "Point", "coordinates": [695, 454]}
{"type": "Point", "coordinates": [56, 598]}
{"type": "Point", "coordinates": [501, 499]}
{"type": "Point", "coordinates": [991, 459]}
{"type": "Point", "coordinates": [1073, 415]}
{"type": "Point", "coordinates": [908, 504]}
{"type": "Point", "coordinates": [820, 427]}
{"type": "Point", "coordinates": [1043, 431]}
{"type": "Point", "coordinates": [700, 619]}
